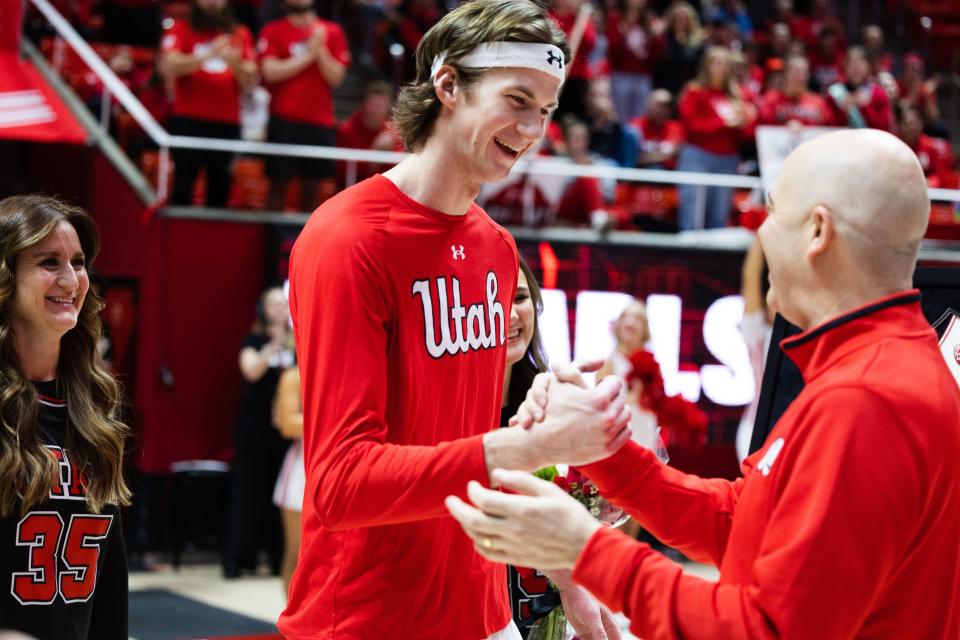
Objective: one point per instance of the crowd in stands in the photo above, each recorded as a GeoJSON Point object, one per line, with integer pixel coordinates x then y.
{"type": "Point", "coordinates": [655, 84]}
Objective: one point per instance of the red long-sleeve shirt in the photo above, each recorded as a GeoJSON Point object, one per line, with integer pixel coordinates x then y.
{"type": "Point", "coordinates": [807, 108]}
{"type": "Point", "coordinates": [400, 314]}
{"type": "Point", "coordinates": [936, 159]}
{"type": "Point", "coordinates": [631, 49]}
{"type": "Point", "coordinates": [844, 525]}
{"type": "Point", "coordinates": [700, 111]}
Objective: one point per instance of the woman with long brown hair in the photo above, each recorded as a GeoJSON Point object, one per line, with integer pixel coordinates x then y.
{"type": "Point", "coordinates": [717, 120]}
{"type": "Point", "coordinates": [61, 438]}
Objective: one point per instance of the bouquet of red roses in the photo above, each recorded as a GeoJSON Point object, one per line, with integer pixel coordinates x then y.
{"type": "Point", "coordinates": [554, 626]}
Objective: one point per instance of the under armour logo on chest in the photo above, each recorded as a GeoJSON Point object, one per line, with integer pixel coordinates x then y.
{"type": "Point", "coordinates": [457, 251]}
{"type": "Point", "coordinates": [553, 57]}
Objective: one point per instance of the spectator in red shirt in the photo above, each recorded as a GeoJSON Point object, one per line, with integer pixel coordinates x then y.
{"type": "Point", "coordinates": [796, 103]}
{"type": "Point", "coordinates": [778, 41]}
{"type": "Point", "coordinates": [826, 59]}
{"type": "Point", "coordinates": [821, 17]}
{"type": "Point", "coordinates": [682, 47]}
{"type": "Point", "coordinates": [859, 101]}
{"type": "Point", "coordinates": [574, 93]}
{"type": "Point", "coordinates": [210, 58]}
{"type": "Point", "coordinates": [880, 59]}
{"type": "Point", "coordinates": [800, 26]}
{"type": "Point", "coordinates": [660, 135]}
{"type": "Point", "coordinates": [412, 22]}
{"type": "Point", "coordinates": [633, 46]}
{"type": "Point", "coordinates": [717, 120]}
{"type": "Point", "coordinates": [368, 128]}
{"type": "Point", "coordinates": [917, 91]}
{"type": "Point", "coordinates": [748, 73]}
{"type": "Point", "coordinates": [583, 200]}
{"type": "Point", "coordinates": [934, 154]}
{"type": "Point", "coordinates": [303, 58]}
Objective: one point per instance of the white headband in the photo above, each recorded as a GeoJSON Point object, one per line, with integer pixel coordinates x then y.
{"type": "Point", "coordinates": [530, 55]}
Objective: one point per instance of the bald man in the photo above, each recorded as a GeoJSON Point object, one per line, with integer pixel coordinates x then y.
{"type": "Point", "coordinates": [846, 524]}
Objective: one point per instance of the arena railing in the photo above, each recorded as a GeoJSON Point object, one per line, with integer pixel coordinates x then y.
{"type": "Point", "coordinates": [115, 87]}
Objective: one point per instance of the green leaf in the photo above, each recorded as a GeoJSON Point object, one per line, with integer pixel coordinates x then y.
{"type": "Point", "coordinates": [547, 473]}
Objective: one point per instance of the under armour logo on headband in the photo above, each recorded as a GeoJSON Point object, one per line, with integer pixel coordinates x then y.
{"type": "Point", "coordinates": [490, 55]}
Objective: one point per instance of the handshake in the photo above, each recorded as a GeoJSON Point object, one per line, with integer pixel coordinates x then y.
{"type": "Point", "coordinates": [563, 421]}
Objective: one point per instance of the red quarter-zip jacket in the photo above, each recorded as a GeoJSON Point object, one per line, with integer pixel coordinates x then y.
{"type": "Point", "coordinates": [846, 524]}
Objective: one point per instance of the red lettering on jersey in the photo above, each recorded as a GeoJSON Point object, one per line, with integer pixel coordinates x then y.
{"type": "Point", "coordinates": [41, 533]}
{"type": "Point", "coordinates": [81, 552]}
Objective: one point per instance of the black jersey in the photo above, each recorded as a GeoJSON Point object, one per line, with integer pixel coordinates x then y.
{"type": "Point", "coordinates": [63, 569]}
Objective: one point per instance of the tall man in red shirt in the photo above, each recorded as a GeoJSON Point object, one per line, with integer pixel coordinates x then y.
{"type": "Point", "coordinates": [302, 58]}
{"type": "Point", "coordinates": [845, 522]}
{"type": "Point", "coordinates": [210, 58]}
{"type": "Point", "coordinates": [400, 291]}
{"type": "Point", "coordinates": [796, 103]}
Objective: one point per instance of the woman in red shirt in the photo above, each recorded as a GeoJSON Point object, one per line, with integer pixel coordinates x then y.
{"type": "Point", "coordinates": [633, 46]}
{"type": "Point", "coordinates": [210, 59]}
{"type": "Point", "coordinates": [859, 101]}
{"type": "Point", "coordinates": [717, 119]}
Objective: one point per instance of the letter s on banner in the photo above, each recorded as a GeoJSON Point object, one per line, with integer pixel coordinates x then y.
{"type": "Point", "coordinates": [730, 383]}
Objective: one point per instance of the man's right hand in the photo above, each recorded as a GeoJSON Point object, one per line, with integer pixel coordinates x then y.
{"type": "Point", "coordinates": [534, 406]}
{"type": "Point", "coordinates": [579, 425]}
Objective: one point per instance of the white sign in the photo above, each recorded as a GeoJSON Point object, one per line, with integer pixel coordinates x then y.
{"type": "Point", "coordinates": [950, 346]}
{"type": "Point", "coordinates": [774, 144]}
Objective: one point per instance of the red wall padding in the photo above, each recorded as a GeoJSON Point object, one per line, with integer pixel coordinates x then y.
{"type": "Point", "coordinates": [199, 286]}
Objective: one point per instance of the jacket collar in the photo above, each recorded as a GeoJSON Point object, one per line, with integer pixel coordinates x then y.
{"type": "Point", "coordinates": [817, 349]}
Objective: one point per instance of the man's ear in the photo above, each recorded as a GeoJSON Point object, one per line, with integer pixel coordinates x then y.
{"type": "Point", "coordinates": [445, 86]}
{"type": "Point", "coordinates": [822, 233]}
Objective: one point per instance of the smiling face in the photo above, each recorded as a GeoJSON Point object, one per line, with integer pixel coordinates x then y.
{"type": "Point", "coordinates": [522, 319]}
{"type": "Point", "coordinates": [497, 120]}
{"type": "Point", "coordinates": [632, 330]}
{"type": "Point", "coordinates": [857, 69]}
{"type": "Point", "coordinates": [797, 75]}
{"type": "Point", "coordinates": [275, 308]}
{"type": "Point", "coordinates": [51, 285]}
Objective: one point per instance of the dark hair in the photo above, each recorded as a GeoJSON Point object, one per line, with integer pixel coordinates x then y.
{"type": "Point", "coordinates": [201, 21]}
{"type": "Point", "coordinates": [645, 18]}
{"type": "Point", "coordinates": [458, 33]}
{"type": "Point", "coordinates": [377, 88]}
{"type": "Point", "coordinates": [534, 361]}
{"type": "Point", "coordinates": [259, 325]}
{"type": "Point", "coordinates": [96, 433]}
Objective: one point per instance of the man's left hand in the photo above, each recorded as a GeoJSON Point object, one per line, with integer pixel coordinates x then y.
{"type": "Point", "coordinates": [541, 527]}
